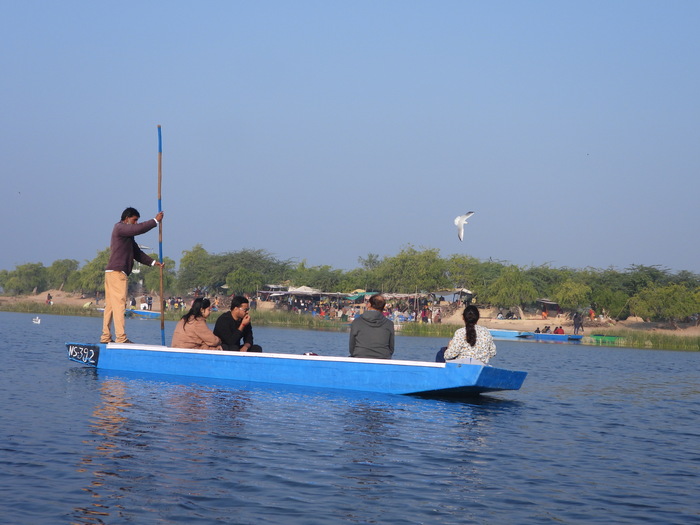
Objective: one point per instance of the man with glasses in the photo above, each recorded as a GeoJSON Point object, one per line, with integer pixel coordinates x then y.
{"type": "Point", "coordinates": [234, 326]}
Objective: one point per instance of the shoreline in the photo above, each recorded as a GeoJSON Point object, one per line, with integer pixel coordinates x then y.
{"type": "Point", "coordinates": [632, 324]}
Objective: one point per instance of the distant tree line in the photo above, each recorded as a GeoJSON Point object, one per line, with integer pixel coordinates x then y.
{"type": "Point", "coordinates": [651, 292]}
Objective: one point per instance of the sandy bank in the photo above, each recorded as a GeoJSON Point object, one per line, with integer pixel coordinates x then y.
{"type": "Point", "coordinates": [488, 317]}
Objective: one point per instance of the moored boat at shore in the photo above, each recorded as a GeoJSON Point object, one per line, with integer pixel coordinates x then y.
{"type": "Point", "coordinates": [554, 338]}
{"type": "Point", "coordinates": [506, 334]}
{"type": "Point", "coordinates": [606, 340]}
{"type": "Point", "coordinates": [145, 314]}
{"type": "Point", "coordinates": [455, 378]}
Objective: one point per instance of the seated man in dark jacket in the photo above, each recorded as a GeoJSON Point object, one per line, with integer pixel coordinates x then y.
{"type": "Point", "coordinates": [233, 326]}
{"type": "Point", "coordinates": [372, 334]}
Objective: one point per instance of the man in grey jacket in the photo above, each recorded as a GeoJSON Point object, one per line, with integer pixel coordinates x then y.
{"type": "Point", "coordinates": [372, 334]}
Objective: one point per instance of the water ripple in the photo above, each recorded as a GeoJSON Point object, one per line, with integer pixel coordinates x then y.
{"type": "Point", "coordinates": [594, 436]}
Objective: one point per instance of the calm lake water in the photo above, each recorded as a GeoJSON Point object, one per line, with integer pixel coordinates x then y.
{"type": "Point", "coordinates": [595, 435]}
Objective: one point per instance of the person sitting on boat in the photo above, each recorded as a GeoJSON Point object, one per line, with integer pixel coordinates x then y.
{"type": "Point", "coordinates": [192, 331]}
{"type": "Point", "coordinates": [372, 334]}
{"type": "Point", "coordinates": [473, 340]}
{"type": "Point", "coordinates": [537, 330]}
{"type": "Point", "coordinates": [558, 330]}
{"type": "Point", "coordinates": [234, 326]}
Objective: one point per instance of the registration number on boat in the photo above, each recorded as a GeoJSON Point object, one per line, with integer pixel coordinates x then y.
{"type": "Point", "coordinates": [87, 354]}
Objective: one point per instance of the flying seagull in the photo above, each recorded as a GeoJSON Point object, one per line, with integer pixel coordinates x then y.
{"type": "Point", "coordinates": [460, 222]}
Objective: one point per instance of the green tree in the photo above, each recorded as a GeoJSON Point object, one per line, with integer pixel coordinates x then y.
{"type": "Point", "coordinates": [485, 274]}
{"type": "Point", "coordinates": [358, 278]}
{"type": "Point", "coordinates": [614, 302]}
{"type": "Point", "coordinates": [546, 280]}
{"type": "Point", "coordinates": [196, 270]}
{"type": "Point", "coordinates": [665, 303]}
{"type": "Point", "coordinates": [27, 278]}
{"type": "Point", "coordinates": [571, 294]}
{"type": "Point", "coordinates": [322, 278]}
{"type": "Point", "coordinates": [371, 262]}
{"type": "Point", "coordinates": [511, 288]}
{"type": "Point", "coordinates": [272, 269]}
{"type": "Point", "coordinates": [639, 277]}
{"type": "Point", "coordinates": [463, 271]}
{"type": "Point", "coordinates": [91, 277]}
{"type": "Point", "coordinates": [243, 280]}
{"type": "Point", "coordinates": [199, 269]}
{"type": "Point", "coordinates": [151, 276]}
{"type": "Point", "coordinates": [60, 271]}
{"type": "Point", "coordinates": [413, 270]}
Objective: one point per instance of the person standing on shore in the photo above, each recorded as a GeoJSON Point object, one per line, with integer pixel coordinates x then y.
{"type": "Point", "coordinates": [578, 323]}
{"type": "Point", "coordinates": [123, 252]}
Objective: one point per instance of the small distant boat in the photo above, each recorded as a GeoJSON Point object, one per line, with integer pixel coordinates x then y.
{"type": "Point", "coordinates": [506, 334]}
{"type": "Point", "coordinates": [36, 320]}
{"type": "Point", "coordinates": [375, 375]}
{"type": "Point", "coordinates": [145, 314]}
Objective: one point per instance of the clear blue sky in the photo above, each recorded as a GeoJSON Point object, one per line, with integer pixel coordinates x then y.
{"type": "Point", "coordinates": [327, 130]}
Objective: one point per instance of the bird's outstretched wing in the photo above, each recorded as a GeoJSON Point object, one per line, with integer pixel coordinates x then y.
{"type": "Point", "coordinates": [460, 221]}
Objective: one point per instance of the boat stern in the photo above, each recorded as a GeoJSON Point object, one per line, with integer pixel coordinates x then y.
{"type": "Point", "coordinates": [87, 354]}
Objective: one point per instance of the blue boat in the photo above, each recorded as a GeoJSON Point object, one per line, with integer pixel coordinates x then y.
{"type": "Point", "coordinates": [506, 334]}
{"type": "Point", "coordinates": [145, 314]}
{"type": "Point", "coordinates": [455, 378]}
{"type": "Point", "coordinates": [555, 338]}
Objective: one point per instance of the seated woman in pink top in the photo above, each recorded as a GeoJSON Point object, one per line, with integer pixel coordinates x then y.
{"type": "Point", "coordinates": [192, 331]}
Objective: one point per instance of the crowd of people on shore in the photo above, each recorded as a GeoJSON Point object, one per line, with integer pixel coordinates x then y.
{"type": "Point", "coordinates": [345, 310]}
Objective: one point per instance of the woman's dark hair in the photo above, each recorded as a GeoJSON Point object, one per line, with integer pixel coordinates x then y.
{"type": "Point", "coordinates": [199, 304]}
{"type": "Point", "coordinates": [471, 317]}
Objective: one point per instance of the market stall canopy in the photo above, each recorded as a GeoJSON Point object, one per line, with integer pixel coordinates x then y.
{"type": "Point", "coordinates": [548, 304]}
{"type": "Point", "coordinates": [359, 295]}
{"type": "Point", "coordinates": [304, 290]}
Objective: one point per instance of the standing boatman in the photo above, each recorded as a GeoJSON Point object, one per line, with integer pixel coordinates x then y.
{"type": "Point", "coordinates": [123, 252]}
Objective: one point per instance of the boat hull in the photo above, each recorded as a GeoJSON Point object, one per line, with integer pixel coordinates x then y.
{"type": "Point", "coordinates": [373, 375]}
{"type": "Point", "coordinates": [505, 335]}
{"type": "Point", "coordinates": [555, 338]}
{"type": "Point", "coordinates": [145, 314]}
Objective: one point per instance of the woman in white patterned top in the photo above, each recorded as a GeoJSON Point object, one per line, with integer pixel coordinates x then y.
{"type": "Point", "coordinates": [471, 341]}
